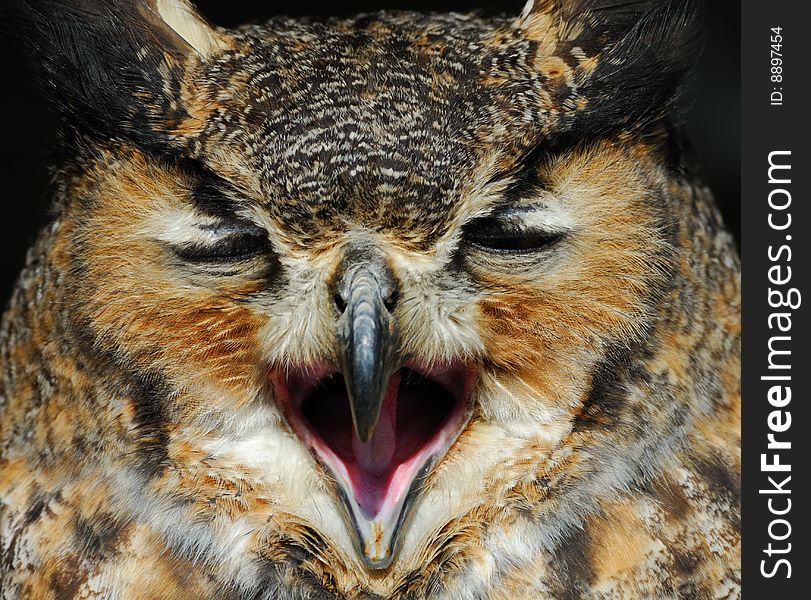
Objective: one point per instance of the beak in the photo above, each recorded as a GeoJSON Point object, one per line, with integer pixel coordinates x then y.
{"type": "Point", "coordinates": [367, 343]}
{"type": "Point", "coordinates": [380, 439]}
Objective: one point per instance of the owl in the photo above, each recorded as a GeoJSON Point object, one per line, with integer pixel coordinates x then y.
{"type": "Point", "coordinates": [398, 307]}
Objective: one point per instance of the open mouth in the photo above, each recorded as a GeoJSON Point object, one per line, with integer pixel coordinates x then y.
{"type": "Point", "coordinates": [422, 414]}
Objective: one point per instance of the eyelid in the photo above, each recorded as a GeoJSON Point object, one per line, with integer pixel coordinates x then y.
{"type": "Point", "coordinates": [547, 216]}
{"type": "Point", "coordinates": [224, 229]}
{"type": "Point", "coordinates": [512, 230]}
{"type": "Point", "coordinates": [220, 241]}
{"type": "Point", "coordinates": [231, 248]}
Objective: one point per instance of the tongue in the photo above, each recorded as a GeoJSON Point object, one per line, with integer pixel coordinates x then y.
{"type": "Point", "coordinates": [375, 456]}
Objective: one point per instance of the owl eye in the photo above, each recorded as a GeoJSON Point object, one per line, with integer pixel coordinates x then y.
{"type": "Point", "coordinates": [509, 234]}
{"type": "Point", "coordinates": [226, 244]}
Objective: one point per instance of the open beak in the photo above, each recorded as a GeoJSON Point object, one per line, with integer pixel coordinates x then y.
{"type": "Point", "coordinates": [377, 423]}
{"type": "Point", "coordinates": [424, 410]}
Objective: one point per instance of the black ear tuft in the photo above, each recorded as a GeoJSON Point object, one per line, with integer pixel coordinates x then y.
{"type": "Point", "coordinates": [112, 69]}
{"type": "Point", "coordinates": [631, 58]}
{"type": "Point", "coordinates": [641, 76]}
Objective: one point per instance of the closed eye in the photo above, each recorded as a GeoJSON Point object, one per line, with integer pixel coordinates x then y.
{"type": "Point", "coordinates": [226, 243]}
{"type": "Point", "coordinates": [508, 233]}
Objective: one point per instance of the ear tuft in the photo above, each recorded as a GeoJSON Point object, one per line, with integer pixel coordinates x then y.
{"type": "Point", "coordinates": [116, 69]}
{"type": "Point", "coordinates": [626, 61]}
{"type": "Point", "coordinates": [184, 20]}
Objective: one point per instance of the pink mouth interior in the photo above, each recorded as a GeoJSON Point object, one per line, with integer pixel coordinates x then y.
{"type": "Point", "coordinates": [419, 418]}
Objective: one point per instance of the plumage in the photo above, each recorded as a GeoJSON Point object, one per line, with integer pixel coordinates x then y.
{"type": "Point", "coordinates": [398, 306]}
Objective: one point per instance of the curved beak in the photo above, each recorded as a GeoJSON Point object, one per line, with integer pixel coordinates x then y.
{"type": "Point", "coordinates": [396, 419]}
{"type": "Point", "coordinates": [367, 346]}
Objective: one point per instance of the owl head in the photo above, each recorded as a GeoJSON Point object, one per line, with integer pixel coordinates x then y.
{"type": "Point", "coordinates": [356, 291]}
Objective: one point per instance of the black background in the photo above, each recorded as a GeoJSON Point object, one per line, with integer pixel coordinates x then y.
{"type": "Point", "coordinates": [29, 128]}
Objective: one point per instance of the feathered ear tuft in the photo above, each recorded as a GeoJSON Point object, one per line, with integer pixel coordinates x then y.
{"type": "Point", "coordinates": [115, 69]}
{"type": "Point", "coordinates": [615, 63]}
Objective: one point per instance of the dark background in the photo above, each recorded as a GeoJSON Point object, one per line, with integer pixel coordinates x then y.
{"type": "Point", "coordinates": [767, 129]}
{"type": "Point", "coordinates": [29, 128]}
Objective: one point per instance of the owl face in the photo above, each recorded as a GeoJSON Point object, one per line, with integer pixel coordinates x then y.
{"type": "Point", "coordinates": [361, 266]}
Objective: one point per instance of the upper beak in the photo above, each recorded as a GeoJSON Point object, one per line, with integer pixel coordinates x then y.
{"type": "Point", "coordinates": [367, 342]}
